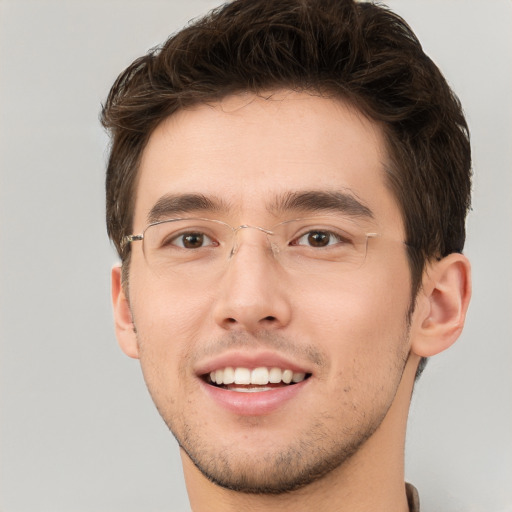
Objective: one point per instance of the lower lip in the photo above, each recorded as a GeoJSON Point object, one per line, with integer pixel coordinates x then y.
{"type": "Point", "coordinates": [254, 403]}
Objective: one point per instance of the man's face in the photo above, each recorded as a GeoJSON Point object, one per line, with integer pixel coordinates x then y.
{"type": "Point", "coordinates": [347, 331]}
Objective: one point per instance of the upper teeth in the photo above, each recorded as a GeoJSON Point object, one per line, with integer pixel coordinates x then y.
{"type": "Point", "coordinates": [260, 376]}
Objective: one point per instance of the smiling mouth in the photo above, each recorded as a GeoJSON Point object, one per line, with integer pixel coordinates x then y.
{"type": "Point", "coordinates": [250, 380]}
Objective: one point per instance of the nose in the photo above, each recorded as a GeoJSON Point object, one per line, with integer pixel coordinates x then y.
{"type": "Point", "coordinates": [253, 293]}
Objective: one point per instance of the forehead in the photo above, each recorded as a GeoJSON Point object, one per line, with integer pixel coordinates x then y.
{"type": "Point", "coordinates": [248, 151]}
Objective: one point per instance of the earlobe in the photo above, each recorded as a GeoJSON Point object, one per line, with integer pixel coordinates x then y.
{"type": "Point", "coordinates": [442, 305]}
{"type": "Point", "coordinates": [125, 329]}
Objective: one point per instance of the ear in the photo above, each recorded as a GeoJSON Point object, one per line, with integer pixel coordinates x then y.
{"type": "Point", "coordinates": [441, 305]}
{"type": "Point", "coordinates": [125, 328]}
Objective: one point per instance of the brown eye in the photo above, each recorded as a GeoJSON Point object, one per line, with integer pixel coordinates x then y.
{"type": "Point", "coordinates": [192, 240]}
{"type": "Point", "coordinates": [319, 238]}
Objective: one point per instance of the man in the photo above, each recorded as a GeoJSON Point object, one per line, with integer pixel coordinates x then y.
{"type": "Point", "coordinates": [287, 190]}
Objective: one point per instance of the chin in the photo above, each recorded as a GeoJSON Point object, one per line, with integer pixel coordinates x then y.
{"type": "Point", "coordinates": [273, 471]}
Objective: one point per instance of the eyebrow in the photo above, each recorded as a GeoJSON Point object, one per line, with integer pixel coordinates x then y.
{"type": "Point", "coordinates": [299, 202]}
{"type": "Point", "coordinates": [322, 201]}
{"type": "Point", "coordinates": [171, 205]}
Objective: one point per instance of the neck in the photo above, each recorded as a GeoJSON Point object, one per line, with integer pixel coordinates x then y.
{"type": "Point", "coordinates": [372, 479]}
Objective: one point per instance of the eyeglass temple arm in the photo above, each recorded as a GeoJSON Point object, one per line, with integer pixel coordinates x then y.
{"type": "Point", "coordinates": [130, 238]}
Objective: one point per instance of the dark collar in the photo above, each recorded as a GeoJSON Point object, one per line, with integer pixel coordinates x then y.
{"type": "Point", "coordinates": [413, 498]}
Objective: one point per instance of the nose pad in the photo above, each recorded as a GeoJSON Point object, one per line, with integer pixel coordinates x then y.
{"type": "Point", "coordinates": [236, 233]}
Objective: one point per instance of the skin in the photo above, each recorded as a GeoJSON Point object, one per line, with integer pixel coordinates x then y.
{"type": "Point", "coordinates": [337, 444]}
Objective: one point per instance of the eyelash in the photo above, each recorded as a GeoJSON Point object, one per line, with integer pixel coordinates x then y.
{"type": "Point", "coordinates": [177, 240]}
{"type": "Point", "coordinates": [331, 234]}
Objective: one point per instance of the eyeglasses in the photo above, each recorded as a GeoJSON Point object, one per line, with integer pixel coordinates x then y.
{"type": "Point", "coordinates": [202, 247]}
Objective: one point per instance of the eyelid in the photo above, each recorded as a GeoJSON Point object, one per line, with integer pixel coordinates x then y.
{"type": "Point", "coordinates": [208, 240]}
{"type": "Point", "coordinates": [324, 225]}
{"type": "Point", "coordinates": [173, 236]}
{"type": "Point", "coordinates": [339, 238]}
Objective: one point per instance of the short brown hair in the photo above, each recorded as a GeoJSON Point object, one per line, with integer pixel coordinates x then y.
{"type": "Point", "coordinates": [356, 51]}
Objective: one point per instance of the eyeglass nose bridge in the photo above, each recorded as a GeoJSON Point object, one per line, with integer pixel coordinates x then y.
{"type": "Point", "coordinates": [236, 245]}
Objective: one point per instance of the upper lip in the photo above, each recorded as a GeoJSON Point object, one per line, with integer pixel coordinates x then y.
{"type": "Point", "coordinates": [251, 360]}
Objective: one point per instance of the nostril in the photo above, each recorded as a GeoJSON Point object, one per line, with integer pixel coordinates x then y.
{"type": "Point", "coordinates": [270, 318]}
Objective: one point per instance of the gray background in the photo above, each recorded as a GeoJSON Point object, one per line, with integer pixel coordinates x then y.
{"type": "Point", "coordinates": [78, 430]}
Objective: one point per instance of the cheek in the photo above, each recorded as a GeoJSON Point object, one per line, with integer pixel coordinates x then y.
{"type": "Point", "coordinates": [169, 325]}
{"type": "Point", "coordinates": [360, 320]}
{"type": "Point", "coordinates": [167, 330]}
{"type": "Point", "coordinates": [158, 307]}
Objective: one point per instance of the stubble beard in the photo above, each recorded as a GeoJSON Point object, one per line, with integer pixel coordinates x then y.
{"type": "Point", "coordinates": [311, 455]}
{"type": "Point", "coordinates": [303, 462]}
